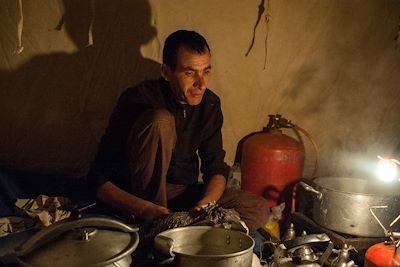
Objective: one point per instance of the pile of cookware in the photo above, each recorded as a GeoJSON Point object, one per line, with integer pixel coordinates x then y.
{"type": "Point", "coordinates": [350, 206]}
{"type": "Point", "coordinates": [359, 209]}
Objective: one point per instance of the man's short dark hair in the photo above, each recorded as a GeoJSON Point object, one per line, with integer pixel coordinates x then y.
{"type": "Point", "coordinates": [189, 39]}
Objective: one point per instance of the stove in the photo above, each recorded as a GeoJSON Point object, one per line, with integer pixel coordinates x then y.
{"type": "Point", "coordinates": [305, 243]}
{"type": "Point", "coordinates": [358, 243]}
{"type": "Point", "coordinates": [309, 244]}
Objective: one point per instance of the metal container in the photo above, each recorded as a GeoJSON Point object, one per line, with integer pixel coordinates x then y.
{"type": "Point", "coordinates": [272, 162]}
{"type": "Point", "coordinates": [92, 241]}
{"type": "Point", "coordinates": [382, 255]}
{"type": "Point", "coordinates": [355, 206]}
{"type": "Point", "coordinates": [206, 246]}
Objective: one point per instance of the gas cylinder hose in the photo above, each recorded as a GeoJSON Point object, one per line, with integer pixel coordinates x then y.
{"type": "Point", "coordinates": [299, 129]}
{"type": "Point", "coordinates": [314, 145]}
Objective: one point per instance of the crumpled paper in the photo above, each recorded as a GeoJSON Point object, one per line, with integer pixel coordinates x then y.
{"type": "Point", "coordinates": [45, 209]}
{"type": "Point", "coordinates": [10, 225]}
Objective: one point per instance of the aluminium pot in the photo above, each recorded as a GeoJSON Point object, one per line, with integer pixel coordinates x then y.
{"type": "Point", "coordinates": [355, 206]}
{"type": "Point", "coordinates": [91, 241]}
{"type": "Point", "coordinates": [206, 246]}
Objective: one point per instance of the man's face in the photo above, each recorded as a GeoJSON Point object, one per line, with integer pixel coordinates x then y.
{"type": "Point", "coordinates": [190, 78]}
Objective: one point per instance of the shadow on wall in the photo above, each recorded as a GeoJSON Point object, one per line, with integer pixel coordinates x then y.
{"type": "Point", "coordinates": [54, 108]}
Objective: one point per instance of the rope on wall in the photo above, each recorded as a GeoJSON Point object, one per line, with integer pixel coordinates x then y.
{"type": "Point", "coordinates": [90, 32]}
{"type": "Point", "coordinates": [267, 20]}
{"type": "Point", "coordinates": [261, 10]}
{"type": "Point", "coordinates": [20, 28]}
{"type": "Point", "coordinates": [397, 38]}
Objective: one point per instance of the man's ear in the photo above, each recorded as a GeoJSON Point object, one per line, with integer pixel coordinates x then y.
{"type": "Point", "coordinates": [165, 72]}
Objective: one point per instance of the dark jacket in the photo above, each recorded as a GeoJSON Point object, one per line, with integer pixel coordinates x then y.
{"type": "Point", "coordinates": [198, 131]}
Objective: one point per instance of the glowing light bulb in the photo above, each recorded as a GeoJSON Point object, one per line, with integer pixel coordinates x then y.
{"type": "Point", "coordinates": [387, 169]}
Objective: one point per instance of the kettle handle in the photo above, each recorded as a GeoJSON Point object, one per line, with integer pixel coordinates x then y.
{"type": "Point", "coordinates": [307, 239]}
{"type": "Point", "coordinates": [53, 231]}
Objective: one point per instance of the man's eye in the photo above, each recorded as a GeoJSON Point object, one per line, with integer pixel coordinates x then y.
{"type": "Point", "coordinates": [207, 72]}
{"type": "Point", "coordinates": [189, 73]}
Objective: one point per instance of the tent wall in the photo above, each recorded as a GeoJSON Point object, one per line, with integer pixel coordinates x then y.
{"type": "Point", "coordinates": [332, 67]}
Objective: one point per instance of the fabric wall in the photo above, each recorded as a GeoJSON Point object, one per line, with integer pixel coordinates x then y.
{"type": "Point", "coordinates": [332, 67]}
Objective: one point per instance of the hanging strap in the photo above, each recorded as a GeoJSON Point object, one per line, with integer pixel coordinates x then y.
{"type": "Point", "coordinates": [20, 28]}
{"type": "Point", "coordinates": [90, 32]}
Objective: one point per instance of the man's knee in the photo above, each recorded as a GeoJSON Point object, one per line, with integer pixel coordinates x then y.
{"type": "Point", "coordinates": [158, 121]}
{"type": "Point", "coordinates": [163, 122]}
{"type": "Point", "coordinates": [151, 127]}
{"type": "Point", "coordinates": [162, 117]}
{"type": "Point", "coordinates": [253, 209]}
{"type": "Point", "coordinates": [256, 211]}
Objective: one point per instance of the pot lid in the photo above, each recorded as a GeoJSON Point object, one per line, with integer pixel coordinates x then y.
{"type": "Point", "coordinates": [84, 242]}
{"type": "Point", "coordinates": [358, 186]}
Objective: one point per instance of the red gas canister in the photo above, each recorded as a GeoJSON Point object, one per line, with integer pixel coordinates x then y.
{"type": "Point", "coordinates": [272, 162]}
{"type": "Point", "coordinates": [382, 255]}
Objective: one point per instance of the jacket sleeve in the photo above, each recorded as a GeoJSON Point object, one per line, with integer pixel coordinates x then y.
{"type": "Point", "coordinates": [211, 150]}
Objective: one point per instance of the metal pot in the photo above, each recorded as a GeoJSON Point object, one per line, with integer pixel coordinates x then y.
{"type": "Point", "coordinates": [92, 241]}
{"type": "Point", "coordinates": [355, 206]}
{"type": "Point", "coordinates": [206, 246]}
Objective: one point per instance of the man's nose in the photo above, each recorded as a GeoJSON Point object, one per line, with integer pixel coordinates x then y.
{"type": "Point", "coordinates": [201, 82]}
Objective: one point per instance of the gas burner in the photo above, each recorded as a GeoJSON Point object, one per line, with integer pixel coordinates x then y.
{"type": "Point", "coordinates": [309, 250]}
{"type": "Point", "coordinates": [305, 243]}
{"type": "Point", "coordinates": [339, 239]}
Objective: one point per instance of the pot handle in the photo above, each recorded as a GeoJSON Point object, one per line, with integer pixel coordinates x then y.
{"type": "Point", "coordinates": [165, 244]}
{"type": "Point", "coordinates": [53, 231]}
{"type": "Point", "coordinates": [309, 188]}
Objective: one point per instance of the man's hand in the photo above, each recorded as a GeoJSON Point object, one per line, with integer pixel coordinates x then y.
{"type": "Point", "coordinates": [201, 204]}
{"type": "Point", "coordinates": [130, 204]}
{"type": "Point", "coordinates": [152, 211]}
{"type": "Point", "coordinates": [215, 189]}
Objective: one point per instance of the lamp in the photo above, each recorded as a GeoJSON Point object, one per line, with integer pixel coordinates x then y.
{"type": "Point", "coordinates": [387, 169]}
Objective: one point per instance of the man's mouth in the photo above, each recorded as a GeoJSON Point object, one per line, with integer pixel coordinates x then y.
{"type": "Point", "coordinates": [197, 95]}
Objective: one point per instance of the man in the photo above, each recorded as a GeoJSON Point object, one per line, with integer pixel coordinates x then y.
{"type": "Point", "coordinates": [149, 159]}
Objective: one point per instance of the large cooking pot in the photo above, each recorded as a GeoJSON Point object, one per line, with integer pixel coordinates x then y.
{"type": "Point", "coordinates": [355, 206]}
{"type": "Point", "coordinates": [91, 241]}
{"type": "Point", "coordinates": [206, 246]}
